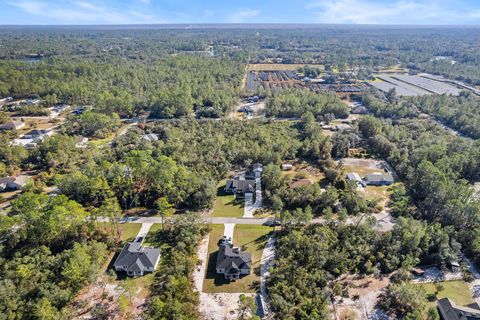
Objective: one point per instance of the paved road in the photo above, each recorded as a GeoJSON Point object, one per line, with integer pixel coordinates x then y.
{"type": "Point", "coordinates": [213, 220]}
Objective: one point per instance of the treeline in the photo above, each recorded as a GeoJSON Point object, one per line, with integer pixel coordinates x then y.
{"type": "Point", "coordinates": [293, 103]}
{"type": "Point", "coordinates": [436, 167]}
{"type": "Point", "coordinates": [48, 252]}
{"type": "Point", "coordinates": [456, 112]}
{"type": "Point", "coordinates": [459, 113]}
{"type": "Point", "coordinates": [310, 259]}
{"type": "Point", "coordinates": [170, 86]}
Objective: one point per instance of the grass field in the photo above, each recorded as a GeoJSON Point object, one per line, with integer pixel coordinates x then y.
{"type": "Point", "coordinates": [281, 66]}
{"type": "Point", "coordinates": [251, 238]}
{"type": "Point", "coordinates": [225, 205]}
{"type": "Point", "coordinates": [128, 231]}
{"type": "Point", "coordinates": [457, 291]}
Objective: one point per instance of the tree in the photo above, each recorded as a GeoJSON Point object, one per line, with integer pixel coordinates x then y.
{"type": "Point", "coordinates": [246, 308]}
{"type": "Point", "coordinates": [403, 299]}
{"type": "Point", "coordinates": [163, 207]}
{"type": "Point", "coordinates": [44, 310]}
{"type": "Point", "coordinates": [391, 95]}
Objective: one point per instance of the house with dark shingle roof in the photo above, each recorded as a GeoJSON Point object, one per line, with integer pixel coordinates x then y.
{"type": "Point", "coordinates": [449, 311]}
{"type": "Point", "coordinates": [244, 185]}
{"type": "Point", "coordinates": [232, 262]}
{"type": "Point", "coordinates": [135, 259]}
{"type": "Point", "coordinates": [239, 186]}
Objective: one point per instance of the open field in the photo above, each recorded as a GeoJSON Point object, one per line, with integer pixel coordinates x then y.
{"type": "Point", "coordinates": [363, 293]}
{"type": "Point", "coordinates": [457, 290]}
{"type": "Point", "coordinates": [250, 238]}
{"type": "Point", "coordinates": [364, 167]}
{"type": "Point", "coordinates": [281, 66]}
{"type": "Point", "coordinates": [303, 170]}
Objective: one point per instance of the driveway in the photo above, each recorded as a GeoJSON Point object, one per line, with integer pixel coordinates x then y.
{"type": "Point", "coordinates": [142, 233]}
{"type": "Point", "coordinates": [250, 207]}
{"type": "Point", "coordinates": [268, 256]}
{"type": "Point", "coordinates": [228, 232]}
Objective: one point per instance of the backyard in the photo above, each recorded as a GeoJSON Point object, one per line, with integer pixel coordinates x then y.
{"type": "Point", "coordinates": [364, 167]}
{"type": "Point", "coordinates": [458, 291]}
{"type": "Point", "coordinates": [250, 238]}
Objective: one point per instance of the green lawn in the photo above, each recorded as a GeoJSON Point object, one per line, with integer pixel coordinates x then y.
{"type": "Point", "coordinates": [225, 205]}
{"type": "Point", "coordinates": [458, 291]}
{"type": "Point", "coordinates": [128, 231]}
{"type": "Point", "coordinates": [251, 238]}
{"type": "Point", "coordinates": [155, 227]}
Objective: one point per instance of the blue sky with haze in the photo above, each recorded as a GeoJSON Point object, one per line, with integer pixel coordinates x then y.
{"type": "Point", "coordinates": [440, 12]}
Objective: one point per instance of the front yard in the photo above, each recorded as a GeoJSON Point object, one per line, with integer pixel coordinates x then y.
{"type": "Point", "coordinates": [128, 231]}
{"type": "Point", "coordinates": [252, 239]}
{"type": "Point", "coordinates": [225, 205]}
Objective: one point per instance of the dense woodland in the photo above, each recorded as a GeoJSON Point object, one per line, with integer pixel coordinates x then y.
{"type": "Point", "coordinates": [310, 260]}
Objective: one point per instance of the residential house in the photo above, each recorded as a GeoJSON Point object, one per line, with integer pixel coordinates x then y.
{"type": "Point", "coordinates": [243, 186]}
{"type": "Point", "coordinates": [12, 125]}
{"type": "Point", "coordinates": [32, 102]}
{"type": "Point", "coordinates": [37, 134]}
{"type": "Point", "coordinates": [359, 110]}
{"type": "Point", "coordinates": [342, 127]}
{"type": "Point", "coordinates": [232, 262]}
{"type": "Point", "coordinates": [378, 179]}
{"type": "Point", "coordinates": [448, 310]}
{"type": "Point", "coordinates": [239, 186]}
{"type": "Point", "coordinates": [150, 137]}
{"type": "Point", "coordinates": [454, 266]}
{"type": "Point", "coordinates": [255, 172]}
{"type": "Point", "coordinates": [13, 183]}
{"type": "Point", "coordinates": [135, 259]}
{"type": "Point", "coordinates": [353, 176]}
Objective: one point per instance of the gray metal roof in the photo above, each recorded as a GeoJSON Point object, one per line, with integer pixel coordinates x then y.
{"type": "Point", "coordinates": [137, 257]}
{"type": "Point", "coordinates": [353, 176]}
{"type": "Point", "coordinates": [151, 137]}
{"type": "Point", "coordinates": [379, 177]}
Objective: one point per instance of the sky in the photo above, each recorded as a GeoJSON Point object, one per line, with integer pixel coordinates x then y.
{"type": "Point", "coordinates": [88, 12]}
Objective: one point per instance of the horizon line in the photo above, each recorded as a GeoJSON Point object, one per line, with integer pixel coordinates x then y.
{"type": "Point", "coordinates": [186, 24]}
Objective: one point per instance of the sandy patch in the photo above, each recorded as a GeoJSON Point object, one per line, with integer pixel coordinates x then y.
{"type": "Point", "coordinates": [220, 306]}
